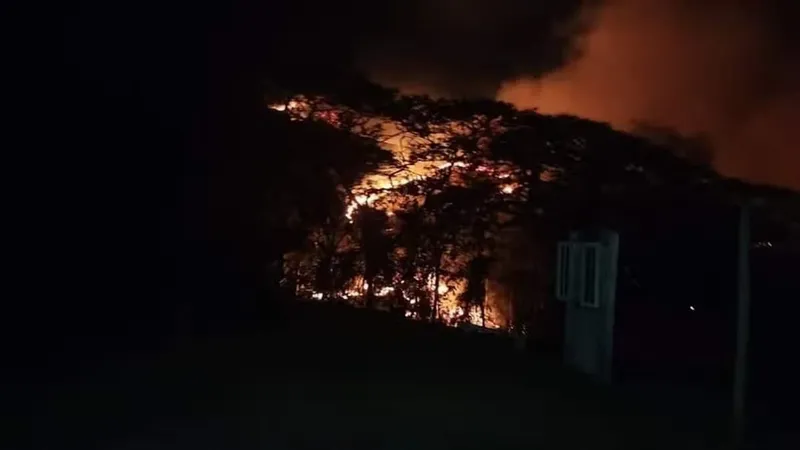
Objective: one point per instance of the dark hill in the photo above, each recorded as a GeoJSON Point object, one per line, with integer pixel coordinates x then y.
{"type": "Point", "coordinates": [329, 376]}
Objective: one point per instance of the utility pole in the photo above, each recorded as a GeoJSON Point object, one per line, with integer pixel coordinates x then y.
{"type": "Point", "coordinates": [742, 327]}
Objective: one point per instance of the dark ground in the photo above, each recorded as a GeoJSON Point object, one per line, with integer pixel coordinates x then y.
{"type": "Point", "coordinates": [332, 377]}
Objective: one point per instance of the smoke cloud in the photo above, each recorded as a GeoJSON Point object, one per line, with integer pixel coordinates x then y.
{"type": "Point", "coordinates": [468, 47]}
{"type": "Point", "coordinates": [726, 70]}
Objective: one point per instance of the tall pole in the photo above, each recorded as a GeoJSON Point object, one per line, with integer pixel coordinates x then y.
{"type": "Point", "coordinates": [742, 327]}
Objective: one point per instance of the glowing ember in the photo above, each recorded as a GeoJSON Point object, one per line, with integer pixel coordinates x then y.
{"type": "Point", "coordinates": [291, 105]}
{"type": "Point", "coordinates": [374, 190]}
{"type": "Point", "coordinates": [384, 291]}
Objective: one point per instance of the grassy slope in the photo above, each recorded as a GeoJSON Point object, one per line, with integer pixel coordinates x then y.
{"type": "Point", "coordinates": [333, 377]}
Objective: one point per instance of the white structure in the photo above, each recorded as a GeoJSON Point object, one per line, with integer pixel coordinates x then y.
{"type": "Point", "coordinates": [586, 275]}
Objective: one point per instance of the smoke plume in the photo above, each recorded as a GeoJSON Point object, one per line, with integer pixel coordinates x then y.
{"type": "Point", "coordinates": [468, 47]}
{"type": "Point", "coordinates": [723, 70]}
{"type": "Point", "coordinates": [726, 70]}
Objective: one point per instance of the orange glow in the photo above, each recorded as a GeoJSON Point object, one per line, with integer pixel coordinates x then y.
{"type": "Point", "coordinates": [714, 69]}
{"type": "Point", "coordinates": [384, 291]}
{"type": "Point", "coordinates": [292, 105]}
{"type": "Point", "coordinates": [374, 190]}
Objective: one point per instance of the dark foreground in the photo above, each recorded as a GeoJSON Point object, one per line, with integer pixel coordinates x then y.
{"type": "Point", "coordinates": [330, 377]}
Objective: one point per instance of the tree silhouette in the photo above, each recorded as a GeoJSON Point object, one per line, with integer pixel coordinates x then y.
{"type": "Point", "coordinates": [375, 247]}
{"type": "Point", "coordinates": [694, 149]}
{"type": "Point", "coordinates": [474, 295]}
{"type": "Point", "coordinates": [468, 176]}
{"type": "Point", "coordinates": [294, 176]}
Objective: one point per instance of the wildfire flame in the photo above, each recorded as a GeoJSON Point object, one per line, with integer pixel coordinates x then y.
{"type": "Point", "coordinates": [375, 187]}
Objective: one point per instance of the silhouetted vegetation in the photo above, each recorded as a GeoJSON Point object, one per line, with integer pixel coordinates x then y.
{"type": "Point", "coordinates": [467, 177]}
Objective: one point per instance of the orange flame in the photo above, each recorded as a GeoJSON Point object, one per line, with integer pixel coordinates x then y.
{"type": "Point", "coordinates": [450, 310]}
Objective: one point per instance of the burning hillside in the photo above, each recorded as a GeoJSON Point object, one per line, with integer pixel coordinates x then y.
{"type": "Point", "coordinates": [428, 231]}
{"type": "Point", "coordinates": [429, 162]}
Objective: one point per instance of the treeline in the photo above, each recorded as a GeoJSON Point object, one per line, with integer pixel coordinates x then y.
{"type": "Point", "coordinates": [447, 209]}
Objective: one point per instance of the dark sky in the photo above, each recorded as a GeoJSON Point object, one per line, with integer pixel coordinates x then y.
{"type": "Point", "coordinates": [727, 69]}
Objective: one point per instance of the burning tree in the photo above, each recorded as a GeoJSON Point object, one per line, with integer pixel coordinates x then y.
{"type": "Point", "coordinates": [428, 229]}
{"type": "Point", "coordinates": [414, 224]}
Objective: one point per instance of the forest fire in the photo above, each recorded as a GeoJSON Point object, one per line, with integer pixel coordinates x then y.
{"type": "Point", "coordinates": [439, 296]}
{"type": "Point", "coordinates": [449, 312]}
{"type": "Point", "coordinates": [439, 220]}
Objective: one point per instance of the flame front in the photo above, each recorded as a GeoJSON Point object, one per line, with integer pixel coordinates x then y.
{"type": "Point", "coordinates": [376, 187]}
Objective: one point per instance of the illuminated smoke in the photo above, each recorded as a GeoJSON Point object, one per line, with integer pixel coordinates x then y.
{"type": "Point", "coordinates": [716, 68]}
{"type": "Point", "coordinates": [725, 69]}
